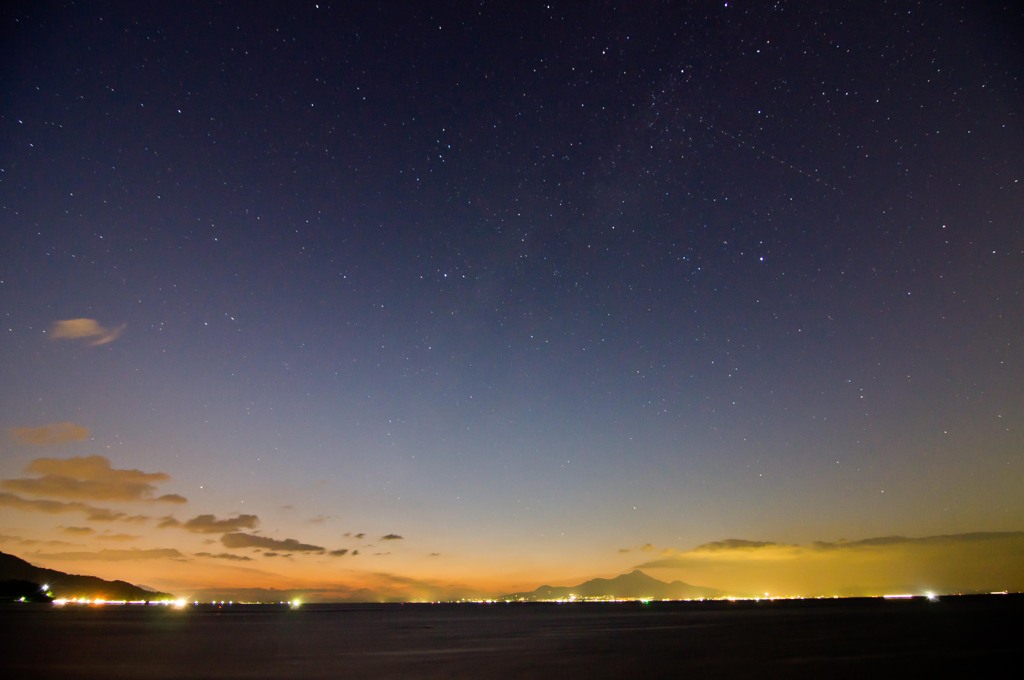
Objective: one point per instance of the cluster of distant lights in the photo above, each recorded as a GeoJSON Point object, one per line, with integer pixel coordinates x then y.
{"type": "Point", "coordinates": [181, 603]}
{"type": "Point", "coordinates": [176, 603]}
{"type": "Point", "coordinates": [100, 601]}
{"type": "Point", "coordinates": [928, 595]}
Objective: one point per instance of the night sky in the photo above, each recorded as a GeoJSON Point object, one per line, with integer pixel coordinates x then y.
{"type": "Point", "coordinates": [431, 299]}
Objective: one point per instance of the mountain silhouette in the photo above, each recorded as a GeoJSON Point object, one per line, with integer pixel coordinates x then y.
{"type": "Point", "coordinates": [634, 585]}
{"type": "Point", "coordinates": [14, 568]}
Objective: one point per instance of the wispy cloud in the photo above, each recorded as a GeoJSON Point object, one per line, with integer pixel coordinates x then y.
{"type": "Point", "coordinates": [89, 478]}
{"type": "Point", "coordinates": [51, 507]}
{"type": "Point", "coordinates": [391, 537]}
{"type": "Point", "coordinates": [735, 544]}
{"type": "Point", "coordinates": [85, 329]}
{"type": "Point", "coordinates": [241, 540]}
{"type": "Point", "coordinates": [50, 435]}
{"type": "Point", "coordinates": [646, 547]}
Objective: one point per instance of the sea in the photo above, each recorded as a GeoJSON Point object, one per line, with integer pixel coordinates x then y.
{"type": "Point", "coordinates": [845, 638]}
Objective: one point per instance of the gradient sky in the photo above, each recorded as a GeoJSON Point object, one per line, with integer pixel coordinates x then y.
{"type": "Point", "coordinates": [430, 299]}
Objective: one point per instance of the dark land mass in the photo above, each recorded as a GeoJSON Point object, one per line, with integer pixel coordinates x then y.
{"type": "Point", "coordinates": [73, 585]}
{"type": "Point", "coordinates": [634, 585]}
{"type": "Point", "coordinates": [966, 636]}
{"type": "Point", "coordinates": [16, 590]}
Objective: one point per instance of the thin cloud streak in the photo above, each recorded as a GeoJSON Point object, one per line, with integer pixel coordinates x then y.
{"type": "Point", "coordinates": [110, 555]}
{"type": "Point", "coordinates": [242, 540]}
{"type": "Point", "coordinates": [225, 556]}
{"type": "Point", "coordinates": [52, 507]}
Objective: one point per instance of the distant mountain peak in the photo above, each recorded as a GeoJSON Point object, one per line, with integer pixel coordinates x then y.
{"type": "Point", "coordinates": [634, 585]}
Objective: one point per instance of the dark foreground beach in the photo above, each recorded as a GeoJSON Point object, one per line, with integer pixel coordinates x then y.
{"type": "Point", "coordinates": [834, 638]}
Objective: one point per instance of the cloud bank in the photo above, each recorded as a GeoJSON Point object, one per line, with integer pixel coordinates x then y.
{"type": "Point", "coordinates": [89, 478]}
{"type": "Point", "coordinates": [209, 524]}
{"type": "Point", "coordinates": [968, 562]}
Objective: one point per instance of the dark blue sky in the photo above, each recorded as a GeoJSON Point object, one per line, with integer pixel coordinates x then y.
{"type": "Point", "coordinates": [526, 283]}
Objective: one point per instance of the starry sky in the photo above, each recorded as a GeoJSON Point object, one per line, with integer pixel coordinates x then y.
{"type": "Point", "coordinates": [427, 299]}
